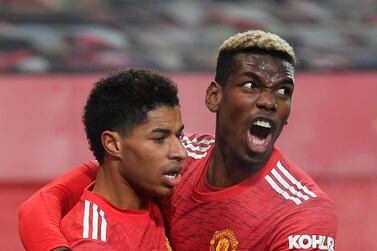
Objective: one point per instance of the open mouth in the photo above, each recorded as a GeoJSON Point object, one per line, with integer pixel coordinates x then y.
{"type": "Point", "coordinates": [260, 135]}
{"type": "Point", "coordinates": [260, 131]}
{"type": "Point", "coordinates": [173, 176]}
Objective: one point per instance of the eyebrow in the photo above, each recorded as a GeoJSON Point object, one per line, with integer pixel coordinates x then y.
{"type": "Point", "coordinates": [167, 131]}
{"type": "Point", "coordinates": [251, 74]}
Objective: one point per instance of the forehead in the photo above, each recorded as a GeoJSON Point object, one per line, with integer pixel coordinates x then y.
{"type": "Point", "coordinates": [261, 63]}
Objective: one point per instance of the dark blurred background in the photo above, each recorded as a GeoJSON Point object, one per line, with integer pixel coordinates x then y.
{"type": "Point", "coordinates": [39, 36]}
{"type": "Point", "coordinates": [51, 51]}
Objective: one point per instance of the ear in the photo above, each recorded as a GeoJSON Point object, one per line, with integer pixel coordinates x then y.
{"type": "Point", "coordinates": [111, 142]}
{"type": "Point", "coordinates": [213, 96]}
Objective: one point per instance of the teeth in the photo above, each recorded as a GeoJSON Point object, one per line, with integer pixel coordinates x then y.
{"type": "Point", "coordinates": [262, 123]}
{"type": "Point", "coordinates": [171, 176]}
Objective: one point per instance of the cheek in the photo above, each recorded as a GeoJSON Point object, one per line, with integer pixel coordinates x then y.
{"type": "Point", "coordinates": [232, 118]}
{"type": "Point", "coordinates": [237, 103]}
{"type": "Point", "coordinates": [138, 160]}
{"type": "Point", "coordinates": [154, 159]}
{"type": "Point", "coordinates": [150, 161]}
{"type": "Point", "coordinates": [285, 110]}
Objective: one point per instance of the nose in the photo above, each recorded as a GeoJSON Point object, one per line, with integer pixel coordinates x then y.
{"type": "Point", "coordinates": [267, 101]}
{"type": "Point", "coordinates": [177, 150]}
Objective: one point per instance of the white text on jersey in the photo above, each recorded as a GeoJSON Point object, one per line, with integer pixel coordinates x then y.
{"type": "Point", "coordinates": [305, 241]}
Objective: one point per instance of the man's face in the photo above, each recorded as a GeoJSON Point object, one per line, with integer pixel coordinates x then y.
{"type": "Point", "coordinates": [152, 153]}
{"type": "Point", "coordinates": [255, 104]}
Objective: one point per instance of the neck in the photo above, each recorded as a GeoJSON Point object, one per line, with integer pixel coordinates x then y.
{"type": "Point", "coordinates": [227, 169]}
{"type": "Point", "coordinates": [111, 185]}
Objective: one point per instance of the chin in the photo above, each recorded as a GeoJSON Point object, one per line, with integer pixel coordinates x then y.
{"type": "Point", "coordinates": [258, 157]}
{"type": "Point", "coordinates": [163, 192]}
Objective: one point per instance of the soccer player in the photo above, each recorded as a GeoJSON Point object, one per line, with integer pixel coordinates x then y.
{"type": "Point", "coordinates": [133, 124]}
{"type": "Point", "coordinates": [238, 191]}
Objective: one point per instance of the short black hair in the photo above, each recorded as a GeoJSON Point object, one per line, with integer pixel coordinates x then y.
{"type": "Point", "coordinates": [122, 100]}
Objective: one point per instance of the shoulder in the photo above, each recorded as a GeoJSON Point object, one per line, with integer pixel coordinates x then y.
{"type": "Point", "coordinates": [295, 192]}
{"type": "Point", "coordinates": [291, 182]}
{"type": "Point", "coordinates": [305, 211]}
{"type": "Point", "coordinates": [71, 224]}
{"type": "Point", "coordinates": [311, 225]}
{"type": "Point", "coordinates": [92, 245]}
{"type": "Point", "coordinates": [197, 145]}
{"type": "Point", "coordinates": [86, 216]}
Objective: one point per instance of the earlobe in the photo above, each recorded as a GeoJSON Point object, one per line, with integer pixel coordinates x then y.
{"type": "Point", "coordinates": [213, 96]}
{"type": "Point", "coordinates": [111, 143]}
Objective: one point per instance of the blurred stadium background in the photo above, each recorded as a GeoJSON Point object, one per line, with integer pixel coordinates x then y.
{"type": "Point", "coordinates": [51, 51]}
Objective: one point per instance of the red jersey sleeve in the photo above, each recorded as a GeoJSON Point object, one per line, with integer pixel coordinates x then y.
{"type": "Point", "coordinates": [91, 245]}
{"type": "Point", "coordinates": [40, 215]}
{"type": "Point", "coordinates": [313, 227]}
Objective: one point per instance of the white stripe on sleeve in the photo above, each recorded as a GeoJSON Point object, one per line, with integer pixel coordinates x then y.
{"type": "Point", "coordinates": [294, 181]}
{"type": "Point", "coordinates": [85, 233]}
{"type": "Point", "coordinates": [103, 225]}
{"type": "Point", "coordinates": [287, 186]}
{"type": "Point", "coordinates": [95, 222]}
{"type": "Point", "coordinates": [282, 192]}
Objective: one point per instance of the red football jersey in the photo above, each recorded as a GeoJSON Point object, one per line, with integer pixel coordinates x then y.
{"type": "Point", "coordinates": [95, 224]}
{"type": "Point", "coordinates": [279, 208]}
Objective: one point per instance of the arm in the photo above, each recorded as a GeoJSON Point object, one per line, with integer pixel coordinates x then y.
{"type": "Point", "coordinates": [311, 227]}
{"type": "Point", "coordinates": [91, 245]}
{"type": "Point", "coordinates": [40, 215]}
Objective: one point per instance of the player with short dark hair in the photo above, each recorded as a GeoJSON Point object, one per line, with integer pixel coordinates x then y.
{"type": "Point", "coordinates": [133, 124]}
{"type": "Point", "coordinates": [238, 191]}
{"type": "Point", "coordinates": [120, 102]}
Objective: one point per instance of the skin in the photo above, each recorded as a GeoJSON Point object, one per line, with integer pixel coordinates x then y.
{"type": "Point", "coordinates": [134, 165]}
{"type": "Point", "coordinates": [259, 87]}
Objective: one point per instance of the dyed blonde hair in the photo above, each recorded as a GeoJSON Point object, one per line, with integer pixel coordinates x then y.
{"type": "Point", "coordinates": [251, 41]}
{"type": "Point", "coordinates": [259, 40]}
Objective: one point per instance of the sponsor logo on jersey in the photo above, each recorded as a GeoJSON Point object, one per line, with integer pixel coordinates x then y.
{"type": "Point", "coordinates": [306, 241]}
{"type": "Point", "coordinates": [224, 240]}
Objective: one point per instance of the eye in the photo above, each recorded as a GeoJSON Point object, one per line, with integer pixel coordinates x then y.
{"type": "Point", "coordinates": [284, 91]}
{"type": "Point", "coordinates": [159, 139]}
{"type": "Point", "coordinates": [250, 85]}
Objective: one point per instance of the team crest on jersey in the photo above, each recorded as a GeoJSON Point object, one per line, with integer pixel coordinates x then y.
{"type": "Point", "coordinates": [224, 240]}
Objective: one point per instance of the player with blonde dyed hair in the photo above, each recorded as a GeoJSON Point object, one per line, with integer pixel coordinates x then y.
{"type": "Point", "coordinates": [237, 190]}
{"type": "Point", "coordinates": [251, 41]}
{"type": "Point", "coordinates": [257, 39]}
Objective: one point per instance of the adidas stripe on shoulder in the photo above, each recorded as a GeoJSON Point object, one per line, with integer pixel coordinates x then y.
{"type": "Point", "coordinates": [197, 145]}
{"type": "Point", "coordinates": [92, 228]}
{"type": "Point", "coordinates": [284, 183]}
